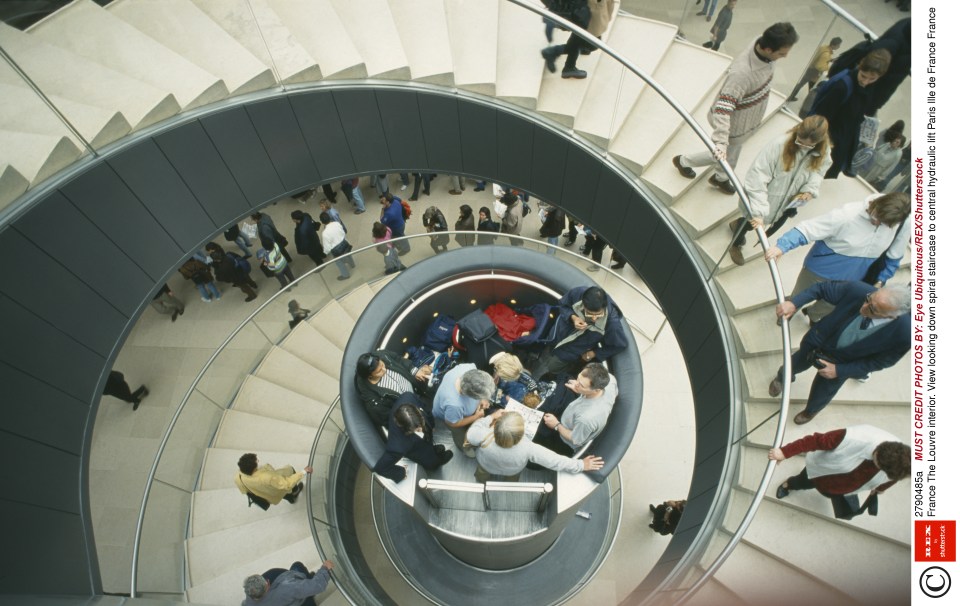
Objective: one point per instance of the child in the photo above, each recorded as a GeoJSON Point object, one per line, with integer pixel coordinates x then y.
{"type": "Point", "coordinates": [381, 237]}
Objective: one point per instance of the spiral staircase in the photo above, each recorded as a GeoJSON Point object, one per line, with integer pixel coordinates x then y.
{"type": "Point", "coordinates": [120, 68]}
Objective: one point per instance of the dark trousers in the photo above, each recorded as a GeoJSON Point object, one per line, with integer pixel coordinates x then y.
{"type": "Point", "coordinates": [329, 193]}
{"type": "Point", "coordinates": [117, 387]}
{"type": "Point", "coordinates": [594, 247]}
{"type": "Point", "coordinates": [572, 48]}
{"type": "Point", "coordinates": [419, 178]}
{"type": "Point", "coordinates": [822, 390]}
{"type": "Point", "coordinates": [247, 285]}
{"type": "Point", "coordinates": [317, 256]}
{"type": "Point", "coordinates": [743, 226]}
{"type": "Point", "coordinates": [555, 405]}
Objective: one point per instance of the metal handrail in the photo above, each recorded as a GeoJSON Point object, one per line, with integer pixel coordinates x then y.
{"type": "Point", "coordinates": [843, 14]}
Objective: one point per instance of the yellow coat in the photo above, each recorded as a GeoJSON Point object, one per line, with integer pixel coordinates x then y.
{"type": "Point", "coordinates": [269, 483]}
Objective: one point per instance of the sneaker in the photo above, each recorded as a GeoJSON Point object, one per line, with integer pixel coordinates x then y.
{"type": "Point", "coordinates": [685, 171]}
{"type": "Point", "coordinates": [593, 268]}
{"type": "Point", "coordinates": [454, 192]}
{"type": "Point", "coordinates": [736, 255]}
{"type": "Point", "coordinates": [204, 299]}
{"type": "Point", "coordinates": [864, 378]}
{"type": "Point", "coordinates": [550, 59]}
{"type": "Point", "coordinates": [470, 451]}
{"type": "Point", "coordinates": [724, 186]}
{"type": "Point", "coordinates": [342, 278]}
{"type": "Point", "coordinates": [572, 72]}
{"type": "Point", "coordinates": [403, 188]}
{"type": "Point", "coordinates": [478, 188]}
{"type": "Point", "coordinates": [359, 212]}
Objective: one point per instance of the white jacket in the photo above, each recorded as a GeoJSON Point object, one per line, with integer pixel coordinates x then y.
{"type": "Point", "coordinates": [857, 446]}
{"type": "Point", "coordinates": [770, 186]}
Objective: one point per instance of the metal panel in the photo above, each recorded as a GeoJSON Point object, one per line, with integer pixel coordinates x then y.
{"type": "Point", "coordinates": [478, 131]}
{"type": "Point", "coordinates": [613, 200]}
{"type": "Point", "coordinates": [682, 288]}
{"type": "Point", "coordinates": [43, 286]}
{"type": "Point", "coordinates": [37, 411]}
{"type": "Point", "coordinates": [361, 120]}
{"type": "Point", "coordinates": [280, 133]}
{"type": "Point", "coordinates": [45, 352]}
{"type": "Point", "coordinates": [52, 470]}
{"type": "Point", "coordinates": [401, 125]}
{"type": "Point", "coordinates": [634, 241]}
{"type": "Point", "coordinates": [515, 152]}
{"type": "Point", "coordinates": [580, 178]}
{"type": "Point", "coordinates": [704, 365]}
{"type": "Point", "coordinates": [440, 117]}
{"type": "Point", "coordinates": [694, 327]}
{"type": "Point", "coordinates": [657, 266]}
{"type": "Point", "coordinates": [102, 196]}
{"type": "Point", "coordinates": [548, 163]}
{"type": "Point", "coordinates": [154, 181]}
{"type": "Point", "coordinates": [238, 144]}
{"type": "Point", "coordinates": [190, 150]}
{"type": "Point", "coordinates": [318, 118]}
{"type": "Point", "coordinates": [76, 243]}
{"type": "Point", "coordinates": [49, 556]}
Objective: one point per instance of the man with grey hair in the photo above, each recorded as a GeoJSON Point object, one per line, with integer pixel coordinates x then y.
{"type": "Point", "coordinates": [868, 330]}
{"type": "Point", "coordinates": [463, 397]}
{"type": "Point", "coordinates": [280, 587]}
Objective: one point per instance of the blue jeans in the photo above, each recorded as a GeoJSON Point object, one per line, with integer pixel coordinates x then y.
{"type": "Point", "coordinates": [552, 240]}
{"type": "Point", "coordinates": [402, 246]}
{"type": "Point", "coordinates": [342, 263]}
{"type": "Point", "coordinates": [357, 196]}
{"type": "Point", "coordinates": [391, 261]}
{"type": "Point", "coordinates": [244, 243]}
{"type": "Point", "coordinates": [208, 291]}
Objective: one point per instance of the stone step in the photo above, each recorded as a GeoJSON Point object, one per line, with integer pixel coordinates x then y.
{"type": "Point", "coordinates": [255, 432]}
{"type": "Point", "coordinates": [220, 464]}
{"type": "Point", "coordinates": [561, 99]}
{"type": "Point", "coordinates": [259, 29]}
{"type": "Point", "coordinates": [36, 157]}
{"type": "Point", "coordinates": [211, 555]}
{"type": "Point", "coordinates": [217, 510]}
{"type": "Point", "coordinates": [334, 323]}
{"type": "Point", "coordinates": [758, 577]}
{"type": "Point", "coordinates": [356, 301]}
{"type": "Point", "coordinates": [65, 74]}
{"type": "Point", "coordinates": [887, 386]}
{"type": "Point", "coordinates": [887, 416]}
{"type": "Point", "coordinates": [613, 91]}
{"type": "Point", "coordinates": [473, 43]}
{"type": "Point", "coordinates": [420, 25]}
{"type": "Point", "coordinates": [124, 48]}
{"type": "Point", "coordinates": [318, 29]}
{"type": "Point", "coordinates": [308, 344]}
{"type": "Point", "coordinates": [833, 552]}
{"type": "Point", "coordinates": [12, 184]}
{"type": "Point", "coordinates": [261, 397]}
{"type": "Point", "coordinates": [224, 588]}
{"type": "Point", "coordinates": [283, 368]}
{"type": "Point", "coordinates": [374, 33]}
{"type": "Point", "coordinates": [183, 27]}
{"type": "Point", "coordinates": [758, 333]}
{"type": "Point", "coordinates": [519, 64]}
{"type": "Point", "coordinates": [750, 287]}
{"type": "Point", "coordinates": [24, 111]}
{"type": "Point", "coordinates": [688, 72]}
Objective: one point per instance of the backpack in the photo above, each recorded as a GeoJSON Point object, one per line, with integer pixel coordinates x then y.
{"type": "Point", "coordinates": [441, 366]}
{"type": "Point", "coordinates": [239, 262]}
{"type": "Point", "coordinates": [823, 87]}
{"type": "Point", "coordinates": [477, 336]}
{"type": "Point", "coordinates": [439, 335]}
{"type": "Point", "coordinates": [407, 211]}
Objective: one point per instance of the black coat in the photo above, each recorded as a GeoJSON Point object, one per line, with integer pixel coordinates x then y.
{"type": "Point", "coordinates": [306, 237]}
{"type": "Point", "coordinates": [845, 112]}
{"type": "Point", "coordinates": [465, 224]}
{"type": "Point", "coordinates": [417, 449]}
{"type": "Point", "coordinates": [378, 401]}
{"type": "Point", "coordinates": [553, 224]}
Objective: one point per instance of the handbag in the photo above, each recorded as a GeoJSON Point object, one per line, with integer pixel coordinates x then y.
{"type": "Point", "coordinates": [847, 507]}
{"type": "Point", "coordinates": [869, 130]}
{"type": "Point", "coordinates": [253, 499]}
{"type": "Point", "coordinates": [249, 230]}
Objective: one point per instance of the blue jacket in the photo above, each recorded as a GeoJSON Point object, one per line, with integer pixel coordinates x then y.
{"type": "Point", "coordinates": [392, 217]}
{"type": "Point", "coordinates": [611, 342]}
{"type": "Point", "coordinates": [880, 350]}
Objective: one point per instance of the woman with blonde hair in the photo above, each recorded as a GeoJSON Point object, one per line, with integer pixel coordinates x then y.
{"type": "Point", "coordinates": [785, 175]}
{"type": "Point", "coordinates": [504, 450]}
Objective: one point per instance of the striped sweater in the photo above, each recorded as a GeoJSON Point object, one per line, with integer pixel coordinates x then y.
{"type": "Point", "coordinates": [742, 100]}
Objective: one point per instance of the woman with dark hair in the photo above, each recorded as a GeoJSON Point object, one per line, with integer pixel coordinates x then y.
{"type": "Point", "coordinates": [847, 99]}
{"type": "Point", "coordinates": [785, 175]}
{"type": "Point", "coordinates": [465, 223]}
{"type": "Point", "coordinates": [381, 377]}
{"type": "Point", "coordinates": [486, 224]}
{"type": "Point", "coordinates": [410, 436]}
